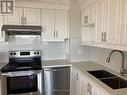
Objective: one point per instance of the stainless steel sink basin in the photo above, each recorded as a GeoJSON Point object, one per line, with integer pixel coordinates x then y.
{"type": "Point", "coordinates": [109, 79]}
{"type": "Point", "coordinates": [115, 83]}
{"type": "Point", "coordinates": [101, 74]}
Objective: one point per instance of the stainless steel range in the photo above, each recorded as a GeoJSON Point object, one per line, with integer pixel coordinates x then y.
{"type": "Point", "coordinates": [23, 74]}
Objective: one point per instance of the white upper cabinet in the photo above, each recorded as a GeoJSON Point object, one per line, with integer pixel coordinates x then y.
{"type": "Point", "coordinates": [16, 18]}
{"type": "Point", "coordinates": [89, 14]}
{"type": "Point", "coordinates": [100, 25]}
{"type": "Point", "coordinates": [55, 24]}
{"type": "Point", "coordinates": [32, 16]}
{"type": "Point", "coordinates": [2, 34]}
{"type": "Point", "coordinates": [24, 16]}
{"type": "Point", "coordinates": [124, 24]}
{"type": "Point", "coordinates": [47, 17]}
{"type": "Point", "coordinates": [88, 18]}
{"type": "Point", "coordinates": [114, 16]}
{"type": "Point", "coordinates": [61, 23]}
{"type": "Point", "coordinates": [108, 23]}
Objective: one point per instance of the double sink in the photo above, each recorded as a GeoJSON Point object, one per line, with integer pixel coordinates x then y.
{"type": "Point", "coordinates": [109, 79]}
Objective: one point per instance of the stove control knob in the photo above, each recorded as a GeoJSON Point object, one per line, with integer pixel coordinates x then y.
{"type": "Point", "coordinates": [34, 52]}
{"type": "Point", "coordinates": [37, 52]}
{"type": "Point", "coordinates": [11, 53]}
{"type": "Point", "coordinates": [14, 53]}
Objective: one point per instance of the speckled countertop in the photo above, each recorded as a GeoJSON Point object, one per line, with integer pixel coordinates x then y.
{"type": "Point", "coordinates": [83, 67]}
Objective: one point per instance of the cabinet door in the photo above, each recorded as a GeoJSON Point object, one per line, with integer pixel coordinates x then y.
{"type": "Point", "coordinates": [114, 15]}
{"type": "Point", "coordinates": [92, 13]}
{"type": "Point", "coordinates": [61, 24]}
{"type": "Point", "coordinates": [16, 18]}
{"type": "Point", "coordinates": [81, 85]}
{"type": "Point", "coordinates": [47, 24]}
{"type": "Point", "coordinates": [124, 24]}
{"type": "Point", "coordinates": [100, 25]}
{"type": "Point", "coordinates": [89, 14]}
{"type": "Point", "coordinates": [32, 16]}
{"type": "Point", "coordinates": [2, 35]}
{"type": "Point", "coordinates": [85, 16]}
{"type": "Point", "coordinates": [96, 91]}
{"type": "Point", "coordinates": [73, 82]}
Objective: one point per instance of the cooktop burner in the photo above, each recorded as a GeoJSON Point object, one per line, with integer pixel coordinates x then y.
{"type": "Point", "coordinates": [11, 68]}
{"type": "Point", "coordinates": [23, 60]}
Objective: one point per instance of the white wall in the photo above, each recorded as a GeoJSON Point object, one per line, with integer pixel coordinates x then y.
{"type": "Point", "coordinates": [75, 25]}
{"type": "Point", "coordinates": [99, 55]}
{"type": "Point", "coordinates": [54, 51]}
{"type": "Point", "coordinates": [78, 52]}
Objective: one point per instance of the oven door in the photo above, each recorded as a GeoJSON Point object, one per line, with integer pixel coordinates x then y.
{"type": "Point", "coordinates": [22, 83]}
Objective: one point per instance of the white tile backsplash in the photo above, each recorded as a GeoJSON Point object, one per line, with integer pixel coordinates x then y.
{"type": "Point", "coordinates": [25, 43]}
{"type": "Point", "coordinates": [52, 51]}
{"type": "Point", "coordinates": [70, 49]}
{"type": "Point", "coordinates": [100, 55]}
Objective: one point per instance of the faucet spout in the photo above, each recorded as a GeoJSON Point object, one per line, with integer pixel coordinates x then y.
{"type": "Point", "coordinates": [122, 70]}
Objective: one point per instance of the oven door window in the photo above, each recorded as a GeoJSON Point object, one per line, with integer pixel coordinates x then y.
{"type": "Point", "coordinates": [22, 84]}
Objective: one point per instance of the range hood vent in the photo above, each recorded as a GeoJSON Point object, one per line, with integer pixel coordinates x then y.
{"type": "Point", "coordinates": [21, 30]}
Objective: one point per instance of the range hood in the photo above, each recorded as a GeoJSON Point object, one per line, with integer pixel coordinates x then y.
{"type": "Point", "coordinates": [12, 30]}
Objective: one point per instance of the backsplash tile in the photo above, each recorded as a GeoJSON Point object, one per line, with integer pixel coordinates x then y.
{"type": "Point", "coordinates": [100, 55]}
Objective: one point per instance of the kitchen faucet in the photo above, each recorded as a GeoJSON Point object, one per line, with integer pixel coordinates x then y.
{"type": "Point", "coordinates": [122, 70]}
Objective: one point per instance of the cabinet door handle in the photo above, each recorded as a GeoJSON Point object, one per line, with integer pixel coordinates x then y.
{"type": "Point", "coordinates": [105, 36]}
{"type": "Point", "coordinates": [102, 38]}
{"type": "Point", "coordinates": [86, 19]}
{"type": "Point", "coordinates": [54, 33]}
{"type": "Point", "coordinates": [25, 20]}
{"type": "Point", "coordinates": [57, 33]}
{"type": "Point", "coordinates": [22, 22]}
{"type": "Point", "coordinates": [88, 88]}
{"type": "Point", "coordinates": [2, 33]}
{"type": "Point", "coordinates": [77, 77]}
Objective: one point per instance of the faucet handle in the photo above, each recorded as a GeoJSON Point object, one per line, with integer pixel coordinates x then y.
{"type": "Point", "coordinates": [108, 60]}
{"type": "Point", "coordinates": [123, 72]}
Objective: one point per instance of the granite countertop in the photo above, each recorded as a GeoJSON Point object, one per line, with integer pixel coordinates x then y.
{"type": "Point", "coordinates": [83, 67]}
{"type": "Point", "coordinates": [55, 63]}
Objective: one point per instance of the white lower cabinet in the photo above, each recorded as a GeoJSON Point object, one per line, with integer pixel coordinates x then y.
{"type": "Point", "coordinates": [82, 85]}
{"type": "Point", "coordinates": [96, 91]}
{"type": "Point", "coordinates": [85, 87]}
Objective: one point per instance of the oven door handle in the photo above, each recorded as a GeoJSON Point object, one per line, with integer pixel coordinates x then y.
{"type": "Point", "coordinates": [21, 73]}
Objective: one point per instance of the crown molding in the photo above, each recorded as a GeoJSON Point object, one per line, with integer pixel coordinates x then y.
{"type": "Point", "coordinates": [49, 4]}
